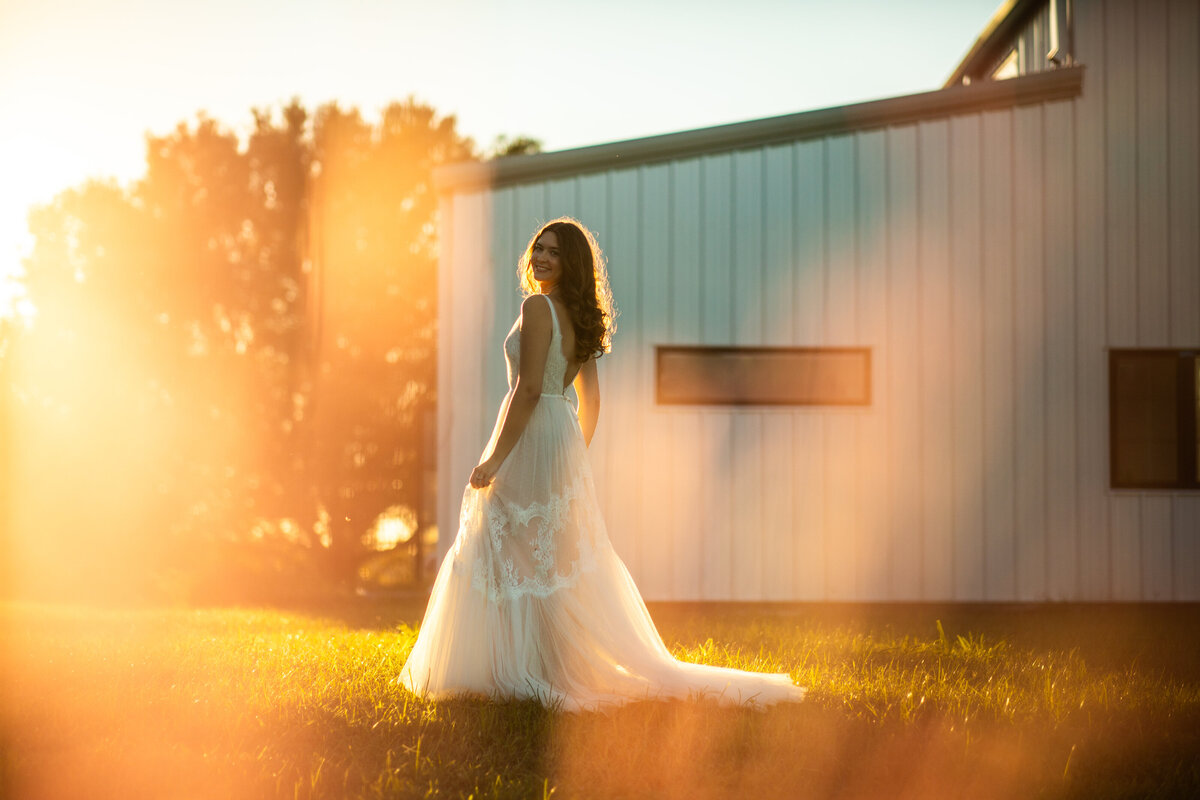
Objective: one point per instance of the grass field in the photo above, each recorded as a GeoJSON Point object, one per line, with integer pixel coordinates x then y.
{"type": "Point", "coordinates": [905, 701]}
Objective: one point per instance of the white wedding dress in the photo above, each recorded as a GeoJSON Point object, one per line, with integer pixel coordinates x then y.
{"type": "Point", "coordinates": [532, 602]}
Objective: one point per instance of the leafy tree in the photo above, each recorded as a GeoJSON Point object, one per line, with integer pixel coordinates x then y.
{"type": "Point", "coordinates": [504, 146]}
{"type": "Point", "coordinates": [373, 235]}
{"type": "Point", "coordinates": [233, 357]}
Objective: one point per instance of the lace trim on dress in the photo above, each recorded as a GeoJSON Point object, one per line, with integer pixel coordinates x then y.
{"type": "Point", "coordinates": [500, 579]}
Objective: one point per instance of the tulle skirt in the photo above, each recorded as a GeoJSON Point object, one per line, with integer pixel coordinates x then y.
{"type": "Point", "coordinates": [532, 601]}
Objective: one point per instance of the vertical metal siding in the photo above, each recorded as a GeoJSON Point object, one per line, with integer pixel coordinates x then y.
{"type": "Point", "coordinates": [968, 364]}
{"type": "Point", "coordinates": [1153, 268]}
{"type": "Point", "coordinates": [903, 422]}
{"type": "Point", "coordinates": [1091, 368]}
{"type": "Point", "coordinates": [669, 568]}
{"type": "Point", "coordinates": [1155, 528]}
{"type": "Point", "coordinates": [623, 410]}
{"type": "Point", "coordinates": [936, 381]}
{"type": "Point", "coordinates": [1120, 39]}
{"type": "Point", "coordinates": [715, 326]}
{"type": "Point", "coordinates": [843, 494]}
{"type": "Point", "coordinates": [779, 479]}
{"type": "Point", "coordinates": [506, 244]}
{"type": "Point", "coordinates": [592, 202]}
{"type": "Point", "coordinates": [999, 420]}
{"type": "Point", "coordinates": [1183, 174]}
{"type": "Point", "coordinates": [1186, 549]}
{"type": "Point", "coordinates": [1029, 313]}
{"type": "Point", "coordinates": [694, 463]}
{"type": "Point", "coordinates": [746, 310]}
{"type": "Point", "coordinates": [872, 308]}
{"type": "Point", "coordinates": [812, 550]}
{"type": "Point", "coordinates": [1152, 217]}
{"type": "Point", "coordinates": [1120, 164]}
{"type": "Point", "coordinates": [1062, 531]}
{"type": "Point", "coordinates": [1183, 192]}
{"type": "Point", "coordinates": [462, 420]}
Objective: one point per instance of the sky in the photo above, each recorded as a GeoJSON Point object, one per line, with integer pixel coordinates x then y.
{"type": "Point", "coordinates": [82, 82]}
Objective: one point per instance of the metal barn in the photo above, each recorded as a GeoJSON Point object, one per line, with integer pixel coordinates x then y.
{"type": "Point", "coordinates": [1010, 263]}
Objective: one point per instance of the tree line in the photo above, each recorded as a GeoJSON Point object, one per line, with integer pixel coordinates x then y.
{"type": "Point", "coordinates": [231, 373]}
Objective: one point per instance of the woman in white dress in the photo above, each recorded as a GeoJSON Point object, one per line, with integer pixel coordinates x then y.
{"type": "Point", "coordinates": [531, 601]}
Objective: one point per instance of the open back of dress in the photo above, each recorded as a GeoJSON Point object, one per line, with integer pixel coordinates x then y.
{"type": "Point", "coordinates": [532, 601]}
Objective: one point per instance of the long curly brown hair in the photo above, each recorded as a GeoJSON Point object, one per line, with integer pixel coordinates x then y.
{"type": "Point", "coordinates": [583, 287]}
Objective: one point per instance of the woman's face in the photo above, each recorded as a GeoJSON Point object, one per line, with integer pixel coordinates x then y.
{"type": "Point", "coordinates": [547, 266]}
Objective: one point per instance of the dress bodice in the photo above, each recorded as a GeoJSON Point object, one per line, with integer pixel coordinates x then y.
{"type": "Point", "coordinates": [556, 362]}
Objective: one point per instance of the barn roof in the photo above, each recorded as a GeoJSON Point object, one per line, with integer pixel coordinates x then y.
{"type": "Point", "coordinates": [1059, 84]}
{"type": "Point", "coordinates": [993, 40]}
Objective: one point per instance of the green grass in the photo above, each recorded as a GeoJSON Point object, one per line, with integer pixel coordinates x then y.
{"type": "Point", "coordinates": [905, 701]}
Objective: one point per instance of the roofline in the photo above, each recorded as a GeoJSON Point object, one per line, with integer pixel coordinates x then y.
{"type": "Point", "coordinates": [1058, 84]}
{"type": "Point", "coordinates": [1004, 22]}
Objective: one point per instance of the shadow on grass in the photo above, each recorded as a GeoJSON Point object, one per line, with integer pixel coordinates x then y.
{"type": "Point", "coordinates": [660, 750]}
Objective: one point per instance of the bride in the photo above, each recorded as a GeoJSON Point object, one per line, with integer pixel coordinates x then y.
{"type": "Point", "coordinates": [531, 601]}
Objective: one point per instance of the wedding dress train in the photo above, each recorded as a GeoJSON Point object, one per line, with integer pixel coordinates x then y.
{"type": "Point", "coordinates": [532, 601]}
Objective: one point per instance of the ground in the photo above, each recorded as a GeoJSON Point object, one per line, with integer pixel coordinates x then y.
{"type": "Point", "coordinates": [904, 701]}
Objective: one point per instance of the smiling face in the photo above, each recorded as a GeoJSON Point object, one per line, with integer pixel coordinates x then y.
{"type": "Point", "coordinates": [546, 262]}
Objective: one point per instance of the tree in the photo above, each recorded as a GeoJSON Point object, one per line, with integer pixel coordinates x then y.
{"type": "Point", "coordinates": [504, 146]}
{"type": "Point", "coordinates": [240, 347]}
{"type": "Point", "coordinates": [373, 230]}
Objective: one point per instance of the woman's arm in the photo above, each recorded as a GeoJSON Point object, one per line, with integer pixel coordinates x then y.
{"type": "Point", "coordinates": [535, 344]}
{"type": "Point", "coordinates": [587, 387]}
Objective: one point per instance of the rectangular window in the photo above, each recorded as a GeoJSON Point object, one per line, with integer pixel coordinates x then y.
{"type": "Point", "coordinates": [763, 376]}
{"type": "Point", "coordinates": [1154, 412]}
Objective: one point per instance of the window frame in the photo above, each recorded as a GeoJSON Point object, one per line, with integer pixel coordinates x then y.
{"type": "Point", "coordinates": [1186, 391]}
{"type": "Point", "coordinates": [664, 349]}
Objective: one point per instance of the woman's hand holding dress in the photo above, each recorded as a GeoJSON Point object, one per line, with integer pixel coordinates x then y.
{"type": "Point", "coordinates": [484, 473]}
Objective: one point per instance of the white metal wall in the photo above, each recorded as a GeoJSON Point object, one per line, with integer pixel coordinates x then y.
{"type": "Point", "coordinates": [988, 260]}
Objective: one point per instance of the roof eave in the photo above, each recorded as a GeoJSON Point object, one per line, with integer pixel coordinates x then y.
{"type": "Point", "coordinates": [1059, 84]}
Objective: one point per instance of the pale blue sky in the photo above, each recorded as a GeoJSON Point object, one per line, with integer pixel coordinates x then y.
{"type": "Point", "coordinates": [81, 81]}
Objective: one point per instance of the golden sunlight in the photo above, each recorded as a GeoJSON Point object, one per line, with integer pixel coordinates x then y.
{"type": "Point", "coordinates": [228, 364]}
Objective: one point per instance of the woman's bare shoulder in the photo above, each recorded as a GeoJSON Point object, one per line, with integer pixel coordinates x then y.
{"type": "Point", "coordinates": [535, 310]}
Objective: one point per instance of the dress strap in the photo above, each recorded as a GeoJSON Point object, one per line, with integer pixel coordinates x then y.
{"type": "Point", "coordinates": [553, 315]}
{"type": "Point", "coordinates": [555, 344]}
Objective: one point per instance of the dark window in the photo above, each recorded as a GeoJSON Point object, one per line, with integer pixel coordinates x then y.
{"type": "Point", "coordinates": [761, 376]}
{"type": "Point", "coordinates": [1154, 408]}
